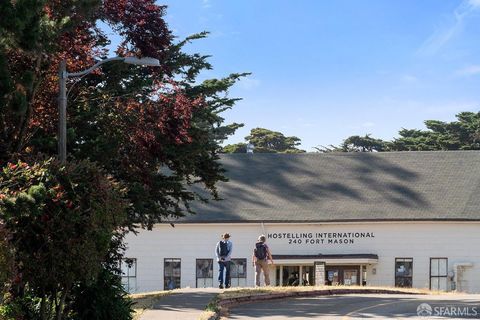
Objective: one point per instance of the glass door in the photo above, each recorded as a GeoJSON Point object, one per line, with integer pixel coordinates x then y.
{"type": "Point", "coordinates": [333, 277]}
{"type": "Point", "coordinates": [291, 275]}
{"type": "Point", "coordinates": [350, 277]}
{"type": "Point", "coordinates": [308, 276]}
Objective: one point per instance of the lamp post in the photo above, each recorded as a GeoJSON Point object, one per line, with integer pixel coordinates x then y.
{"type": "Point", "coordinates": [62, 99]}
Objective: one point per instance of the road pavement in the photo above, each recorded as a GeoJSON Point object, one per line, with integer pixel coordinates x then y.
{"type": "Point", "coordinates": [182, 304]}
{"type": "Point", "coordinates": [371, 306]}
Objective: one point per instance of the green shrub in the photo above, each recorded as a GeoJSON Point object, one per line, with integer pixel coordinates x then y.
{"type": "Point", "coordinates": [61, 222]}
{"type": "Point", "coordinates": [104, 299]}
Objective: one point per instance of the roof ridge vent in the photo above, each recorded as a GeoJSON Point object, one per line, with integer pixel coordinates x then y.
{"type": "Point", "coordinates": [250, 148]}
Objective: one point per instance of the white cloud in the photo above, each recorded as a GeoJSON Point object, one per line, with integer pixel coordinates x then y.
{"type": "Point", "coordinates": [470, 70]}
{"type": "Point", "coordinates": [442, 35]}
{"type": "Point", "coordinates": [206, 4]}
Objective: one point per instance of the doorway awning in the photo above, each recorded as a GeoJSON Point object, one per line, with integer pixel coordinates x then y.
{"type": "Point", "coordinates": [290, 259]}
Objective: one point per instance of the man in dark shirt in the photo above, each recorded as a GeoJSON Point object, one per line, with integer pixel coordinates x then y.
{"type": "Point", "coordinates": [260, 257]}
{"type": "Point", "coordinates": [223, 252]}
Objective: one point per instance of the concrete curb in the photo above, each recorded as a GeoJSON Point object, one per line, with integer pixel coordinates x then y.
{"type": "Point", "coordinates": [226, 303]}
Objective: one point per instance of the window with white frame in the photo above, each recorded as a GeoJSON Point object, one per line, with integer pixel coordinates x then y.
{"type": "Point", "coordinates": [438, 274]}
{"type": "Point", "coordinates": [403, 272]}
{"type": "Point", "coordinates": [238, 272]}
{"type": "Point", "coordinates": [204, 273]}
{"type": "Point", "coordinates": [128, 269]}
{"type": "Point", "coordinates": [171, 273]}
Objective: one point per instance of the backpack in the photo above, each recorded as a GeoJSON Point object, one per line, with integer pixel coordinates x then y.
{"type": "Point", "coordinates": [223, 249]}
{"type": "Point", "coordinates": [260, 251]}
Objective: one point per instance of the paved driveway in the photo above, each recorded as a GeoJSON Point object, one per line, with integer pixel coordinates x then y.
{"type": "Point", "coordinates": [182, 304]}
{"type": "Point", "coordinates": [446, 306]}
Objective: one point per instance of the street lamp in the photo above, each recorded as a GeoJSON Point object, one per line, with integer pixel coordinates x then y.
{"type": "Point", "coordinates": [62, 99]}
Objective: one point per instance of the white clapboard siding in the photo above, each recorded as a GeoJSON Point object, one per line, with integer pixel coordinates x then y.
{"type": "Point", "coordinates": [457, 241]}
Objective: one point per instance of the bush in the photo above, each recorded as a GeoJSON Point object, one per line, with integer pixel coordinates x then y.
{"type": "Point", "coordinates": [104, 299]}
{"type": "Point", "coordinates": [60, 222]}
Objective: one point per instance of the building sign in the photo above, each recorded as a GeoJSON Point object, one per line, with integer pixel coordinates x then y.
{"type": "Point", "coordinates": [296, 238]}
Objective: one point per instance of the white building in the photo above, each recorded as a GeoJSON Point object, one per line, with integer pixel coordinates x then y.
{"type": "Point", "coordinates": [386, 219]}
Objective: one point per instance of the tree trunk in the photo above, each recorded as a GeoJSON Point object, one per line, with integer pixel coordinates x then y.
{"type": "Point", "coordinates": [50, 308]}
{"type": "Point", "coordinates": [25, 119]}
{"type": "Point", "coordinates": [43, 313]}
{"type": "Point", "coordinates": [61, 305]}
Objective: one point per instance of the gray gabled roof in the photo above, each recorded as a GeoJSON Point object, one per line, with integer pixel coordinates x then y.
{"type": "Point", "coordinates": [316, 187]}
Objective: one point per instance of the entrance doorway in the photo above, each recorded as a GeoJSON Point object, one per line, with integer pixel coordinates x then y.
{"type": "Point", "coordinates": [294, 276]}
{"type": "Point", "coordinates": [335, 275]}
{"type": "Point", "coordinates": [342, 275]}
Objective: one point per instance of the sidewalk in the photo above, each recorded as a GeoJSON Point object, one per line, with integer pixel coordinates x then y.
{"type": "Point", "coordinates": [184, 304]}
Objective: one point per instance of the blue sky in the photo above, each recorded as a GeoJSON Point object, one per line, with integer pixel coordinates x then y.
{"type": "Point", "coordinates": [324, 70]}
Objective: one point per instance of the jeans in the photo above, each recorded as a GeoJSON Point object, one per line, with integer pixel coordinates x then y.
{"type": "Point", "coordinates": [224, 265]}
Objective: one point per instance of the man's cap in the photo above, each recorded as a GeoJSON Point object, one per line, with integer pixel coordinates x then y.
{"type": "Point", "coordinates": [262, 238]}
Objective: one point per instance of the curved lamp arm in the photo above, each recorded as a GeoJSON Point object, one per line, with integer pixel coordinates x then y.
{"type": "Point", "coordinates": [62, 98]}
{"type": "Point", "coordinates": [95, 66]}
{"type": "Point", "coordinates": [152, 62]}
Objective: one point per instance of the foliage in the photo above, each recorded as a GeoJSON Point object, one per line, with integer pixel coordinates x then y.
{"type": "Point", "coordinates": [7, 265]}
{"type": "Point", "coordinates": [103, 299]}
{"type": "Point", "coordinates": [213, 305]}
{"type": "Point", "coordinates": [25, 307]}
{"type": "Point", "coordinates": [235, 148]}
{"type": "Point", "coordinates": [131, 120]}
{"type": "Point", "coordinates": [364, 144]}
{"type": "Point", "coordinates": [60, 221]}
{"type": "Point", "coordinates": [269, 141]}
{"type": "Point", "coordinates": [266, 141]}
{"type": "Point", "coordinates": [463, 134]}
{"type": "Point", "coordinates": [358, 144]}
{"type": "Point", "coordinates": [154, 131]}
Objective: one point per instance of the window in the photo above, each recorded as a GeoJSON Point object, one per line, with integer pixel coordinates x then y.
{"type": "Point", "coordinates": [403, 272]}
{"type": "Point", "coordinates": [238, 272]}
{"type": "Point", "coordinates": [204, 273]}
{"type": "Point", "coordinates": [350, 277]}
{"type": "Point", "coordinates": [438, 274]}
{"type": "Point", "coordinates": [128, 269]}
{"type": "Point", "coordinates": [171, 274]}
